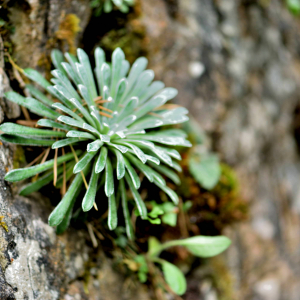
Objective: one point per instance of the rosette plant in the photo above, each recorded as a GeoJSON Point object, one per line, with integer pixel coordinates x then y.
{"type": "Point", "coordinates": [106, 130]}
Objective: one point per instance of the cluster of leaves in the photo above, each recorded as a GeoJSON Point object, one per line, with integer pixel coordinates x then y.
{"type": "Point", "coordinates": [200, 246]}
{"type": "Point", "coordinates": [108, 145]}
{"type": "Point", "coordinates": [108, 5]}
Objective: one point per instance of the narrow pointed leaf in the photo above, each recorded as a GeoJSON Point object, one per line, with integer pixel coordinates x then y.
{"type": "Point", "coordinates": [25, 141]}
{"type": "Point", "coordinates": [128, 223]}
{"type": "Point", "coordinates": [133, 175]}
{"type": "Point", "coordinates": [101, 161]}
{"type": "Point", "coordinates": [137, 198]}
{"type": "Point", "coordinates": [37, 77]}
{"type": "Point", "coordinates": [65, 142]}
{"type": "Point", "coordinates": [24, 173]}
{"type": "Point", "coordinates": [90, 195]}
{"type": "Point", "coordinates": [112, 212]}
{"type": "Point", "coordinates": [53, 124]}
{"type": "Point", "coordinates": [83, 162]}
{"type": "Point", "coordinates": [109, 178]}
{"type": "Point", "coordinates": [39, 95]}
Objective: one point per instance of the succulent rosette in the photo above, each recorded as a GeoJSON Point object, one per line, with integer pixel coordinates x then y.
{"type": "Point", "coordinates": [106, 130]}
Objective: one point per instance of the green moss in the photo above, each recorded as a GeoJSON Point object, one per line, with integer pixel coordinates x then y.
{"type": "Point", "coordinates": [19, 157]}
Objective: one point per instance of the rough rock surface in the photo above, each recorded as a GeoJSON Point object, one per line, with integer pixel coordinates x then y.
{"type": "Point", "coordinates": [236, 66]}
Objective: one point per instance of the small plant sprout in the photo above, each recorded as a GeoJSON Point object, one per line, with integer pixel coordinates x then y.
{"type": "Point", "coordinates": [201, 246]}
{"type": "Point", "coordinates": [103, 131]}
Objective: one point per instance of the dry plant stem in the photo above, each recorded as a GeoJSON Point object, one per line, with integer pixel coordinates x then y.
{"type": "Point", "coordinates": [36, 159]}
{"type": "Point", "coordinates": [43, 160]}
{"type": "Point", "coordinates": [76, 158]}
{"type": "Point", "coordinates": [64, 186]}
{"type": "Point", "coordinates": [92, 235]}
{"type": "Point", "coordinates": [104, 108]}
{"type": "Point", "coordinates": [55, 167]}
{"type": "Point", "coordinates": [182, 221]}
{"type": "Point", "coordinates": [98, 233]}
{"type": "Point", "coordinates": [105, 114]}
{"type": "Point", "coordinates": [16, 70]}
{"type": "Point", "coordinates": [29, 123]}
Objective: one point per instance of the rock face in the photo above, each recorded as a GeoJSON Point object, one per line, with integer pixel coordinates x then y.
{"type": "Point", "coordinates": [235, 64]}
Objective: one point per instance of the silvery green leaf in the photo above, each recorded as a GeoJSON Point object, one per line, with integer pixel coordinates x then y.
{"type": "Point", "coordinates": [25, 141]}
{"type": "Point", "coordinates": [64, 81]}
{"type": "Point", "coordinates": [128, 109]}
{"type": "Point", "coordinates": [121, 87]}
{"type": "Point", "coordinates": [99, 58]}
{"type": "Point", "coordinates": [168, 191]}
{"type": "Point", "coordinates": [104, 138]}
{"type": "Point", "coordinates": [67, 111]}
{"type": "Point", "coordinates": [101, 161]}
{"type": "Point", "coordinates": [83, 162]}
{"type": "Point", "coordinates": [153, 159]}
{"type": "Point", "coordinates": [70, 121]}
{"type": "Point", "coordinates": [128, 224]}
{"type": "Point", "coordinates": [84, 112]}
{"type": "Point", "coordinates": [143, 81]}
{"type": "Point", "coordinates": [90, 195]}
{"type": "Point", "coordinates": [24, 173]}
{"type": "Point", "coordinates": [16, 129]}
{"type": "Point", "coordinates": [120, 164]}
{"type": "Point", "coordinates": [39, 95]}
{"type": "Point", "coordinates": [169, 93]}
{"type": "Point", "coordinates": [151, 91]}
{"type": "Point", "coordinates": [137, 198]}
{"type": "Point", "coordinates": [117, 59]}
{"type": "Point", "coordinates": [94, 146]}
{"type": "Point", "coordinates": [171, 152]}
{"type": "Point", "coordinates": [32, 104]}
{"type": "Point", "coordinates": [105, 74]}
{"type": "Point", "coordinates": [66, 142]}
{"type": "Point", "coordinates": [80, 134]}
{"type": "Point", "coordinates": [143, 168]}
{"type": "Point", "coordinates": [89, 80]}
{"type": "Point", "coordinates": [174, 277]}
{"type": "Point", "coordinates": [58, 214]}
{"type": "Point", "coordinates": [54, 91]}
{"type": "Point", "coordinates": [36, 77]}
{"type": "Point", "coordinates": [57, 58]}
{"type": "Point", "coordinates": [169, 132]}
{"type": "Point", "coordinates": [163, 156]}
{"type": "Point", "coordinates": [121, 148]}
{"type": "Point", "coordinates": [133, 175]}
{"type": "Point", "coordinates": [138, 152]}
{"type": "Point", "coordinates": [150, 105]}
{"type": "Point", "coordinates": [157, 177]}
{"type": "Point", "coordinates": [53, 124]}
{"type": "Point", "coordinates": [109, 178]}
{"type": "Point", "coordinates": [72, 59]}
{"type": "Point", "coordinates": [64, 95]}
{"type": "Point", "coordinates": [112, 220]}
{"type": "Point", "coordinates": [146, 122]}
{"type": "Point", "coordinates": [125, 68]}
{"type": "Point", "coordinates": [137, 68]}
{"type": "Point", "coordinates": [86, 95]}
{"type": "Point", "coordinates": [167, 140]}
{"type": "Point", "coordinates": [95, 114]}
{"type": "Point", "coordinates": [176, 166]}
{"type": "Point", "coordinates": [167, 172]}
{"type": "Point", "coordinates": [71, 73]}
{"type": "Point", "coordinates": [125, 122]}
